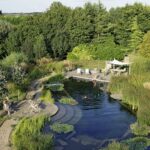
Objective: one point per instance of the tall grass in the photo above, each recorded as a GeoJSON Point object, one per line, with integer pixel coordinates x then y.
{"type": "Point", "coordinates": [132, 88]}
{"type": "Point", "coordinates": [137, 143]}
{"type": "Point", "coordinates": [47, 97]}
{"type": "Point", "coordinates": [28, 135]}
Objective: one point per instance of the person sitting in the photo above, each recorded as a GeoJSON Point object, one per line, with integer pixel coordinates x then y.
{"type": "Point", "coordinates": [6, 106]}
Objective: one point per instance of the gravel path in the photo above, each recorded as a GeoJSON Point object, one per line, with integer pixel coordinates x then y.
{"type": "Point", "coordinates": [5, 131]}
{"type": "Point", "coordinates": [24, 110]}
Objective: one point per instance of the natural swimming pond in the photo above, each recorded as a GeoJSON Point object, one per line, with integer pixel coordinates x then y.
{"type": "Point", "coordinates": [98, 119]}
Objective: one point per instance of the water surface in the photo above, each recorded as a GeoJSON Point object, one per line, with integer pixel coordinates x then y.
{"type": "Point", "coordinates": [98, 119]}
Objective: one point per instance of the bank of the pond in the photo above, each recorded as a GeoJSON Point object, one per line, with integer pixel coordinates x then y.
{"type": "Point", "coordinates": [118, 98]}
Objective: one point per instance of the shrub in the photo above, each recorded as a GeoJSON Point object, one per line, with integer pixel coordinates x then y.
{"type": "Point", "coordinates": [67, 100]}
{"type": "Point", "coordinates": [137, 143]}
{"type": "Point", "coordinates": [13, 58]}
{"type": "Point", "coordinates": [56, 78]}
{"type": "Point", "coordinates": [58, 67]}
{"type": "Point", "coordinates": [62, 128]}
{"type": "Point", "coordinates": [47, 97]}
{"type": "Point", "coordinates": [28, 135]}
{"type": "Point", "coordinates": [101, 51]}
{"type": "Point", "coordinates": [139, 130]}
{"type": "Point", "coordinates": [15, 92]}
{"type": "Point", "coordinates": [116, 146]}
{"type": "Point", "coordinates": [35, 73]}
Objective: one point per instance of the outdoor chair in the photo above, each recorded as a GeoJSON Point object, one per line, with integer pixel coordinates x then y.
{"type": "Point", "coordinates": [34, 106]}
{"type": "Point", "coordinates": [79, 71]}
{"type": "Point", "coordinates": [87, 71]}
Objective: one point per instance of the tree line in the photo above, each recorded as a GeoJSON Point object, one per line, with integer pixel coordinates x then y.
{"type": "Point", "coordinates": [57, 31]}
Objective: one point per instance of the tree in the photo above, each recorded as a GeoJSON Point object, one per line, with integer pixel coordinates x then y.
{"type": "Point", "coordinates": [3, 85]}
{"type": "Point", "coordinates": [27, 48]}
{"type": "Point", "coordinates": [60, 45]}
{"type": "Point", "coordinates": [136, 36]}
{"type": "Point", "coordinates": [56, 32]}
{"type": "Point", "coordinates": [39, 47]}
{"type": "Point", "coordinates": [101, 26]}
{"type": "Point", "coordinates": [144, 48]}
{"type": "Point", "coordinates": [81, 25]}
{"type": "Point", "coordinates": [5, 29]}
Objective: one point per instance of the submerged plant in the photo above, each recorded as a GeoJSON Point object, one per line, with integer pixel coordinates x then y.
{"type": "Point", "coordinates": [62, 128]}
{"type": "Point", "coordinates": [67, 100]}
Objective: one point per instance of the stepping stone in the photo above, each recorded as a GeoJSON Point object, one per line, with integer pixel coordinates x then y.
{"type": "Point", "coordinates": [61, 142]}
{"type": "Point", "coordinates": [77, 115]}
{"type": "Point", "coordinates": [69, 114]}
{"type": "Point", "coordinates": [75, 140]}
{"type": "Point", "coordinates": [60, 114]}
{"type": "Point", "coordinates": [71, 135]}
{"type": "Point", "coordinates": [87, 140]}
{"type": "Point", "coordinates": [58, 148]}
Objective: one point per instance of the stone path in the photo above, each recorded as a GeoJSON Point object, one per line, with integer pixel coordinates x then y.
{"type": "Point", "coordinates": [24, 110]}
{"type": "Point", "coordinates": [5, 131]}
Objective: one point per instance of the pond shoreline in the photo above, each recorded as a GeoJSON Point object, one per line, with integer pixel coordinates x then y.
{"type": "Point", "coordinates": [118, 98]}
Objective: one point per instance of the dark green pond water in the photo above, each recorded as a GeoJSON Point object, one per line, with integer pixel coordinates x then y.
{"type": "Point", "coordinates": [98, 119]}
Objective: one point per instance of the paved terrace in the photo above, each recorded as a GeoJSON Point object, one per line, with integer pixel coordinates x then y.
{"type": "Point", "coordinates": [99, 77]}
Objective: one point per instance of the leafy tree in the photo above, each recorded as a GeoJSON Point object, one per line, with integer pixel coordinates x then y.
{"type": "Point", "coordinates": [136, 36]}
{"type": "Point", "coordinates": [81, 25]}
{"type": "Point", "coordinates": [27, 48]}
{"type": "Point", "coordinates": [5, 28]}
{"type": "Point", "coordinates": [101, 25]}
{"type": "Point", "coordinates": [39, 47]}
{"type": "Point", "coordinates": [57, 35]}
{"type": "Point", "coordinates": [13, 42]}
{"type": "Point", "coordinates": [60, 45]}
{"type": "Point", "coordinates": [144, 48]}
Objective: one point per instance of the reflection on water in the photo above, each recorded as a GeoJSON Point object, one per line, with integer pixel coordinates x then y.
{"type": "Point", "coordinates": [101, 119]}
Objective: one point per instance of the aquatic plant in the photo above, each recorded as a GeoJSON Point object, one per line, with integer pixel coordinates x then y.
{"type": "Point", "coordinates": [62, 128]}
{"type": "Point", "coordinates": [68, 100]}
{"type": "Point", "coordinates": [116, 146]}
{"type": "Point", "coordinates": [137, 143]}
{"type": "Point", "coordinates": [140, 130]}
{"type": "Point", "coordinates": [55, 87]}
